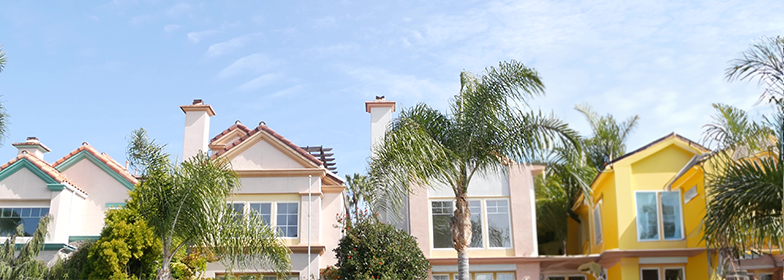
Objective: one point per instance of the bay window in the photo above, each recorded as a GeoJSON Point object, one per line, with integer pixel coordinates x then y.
{"type": "Point", "coordinates": [659, 216]}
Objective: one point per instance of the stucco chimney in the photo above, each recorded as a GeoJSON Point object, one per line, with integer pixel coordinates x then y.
{"type": "Point", "coordinates": [197, 128]}
{"type": "Point", "coordinates": [32, 146]}
{"type": "Point", "coordinates": [380, 115]}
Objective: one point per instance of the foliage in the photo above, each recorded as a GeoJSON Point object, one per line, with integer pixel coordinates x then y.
{"type": "Point", "coordinates": [127, 248]}
{"type": "Point", "coordinates": [744, 212]}
{"type": "Point", "coordinates": [359, 194]}
{"type": "Point", "coordinates": [608, 138]}
{"type": "Point", "coordinates": [73, 266]}
{"type": "Point", "coordinates": [374, 250]}
{"type": "Point", "coordinates": [185, 204]}
{"type": "Point", "coordinates": [24, 265]}
{"type": "Point", "coordinates": [765, 62]}
{"type": "Point", "coordinates": [3, 113]}
{"type": "Point", "coordinates": [482, 131]}
{"type": "Point", "coordinates": [3, 59]}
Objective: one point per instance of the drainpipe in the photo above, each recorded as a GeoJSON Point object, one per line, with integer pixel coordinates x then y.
{"type": "Point", "coordinates": [310, 204]}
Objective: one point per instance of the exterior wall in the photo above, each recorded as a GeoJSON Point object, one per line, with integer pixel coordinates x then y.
{"type": "Point", "coordinates": [102, 189]}
{"type": "Point", "coordinates": [24, 185]}
{"type": "Point", "coordinates": [197, 130]}
{"type": "Point", "coordinates": [330, 234]}
{"type": "Point", "coordinates": [262, 155]}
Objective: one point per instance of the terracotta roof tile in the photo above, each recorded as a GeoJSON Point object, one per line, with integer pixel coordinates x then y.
{"type": "Point", "coordinates": [111, 163]}
{"type": "Point", "coordinates": [44, 167]}
{"type": "Point", "coordinates": [230, 129]}
{"type": "Point", "coordinates": [268, 130]}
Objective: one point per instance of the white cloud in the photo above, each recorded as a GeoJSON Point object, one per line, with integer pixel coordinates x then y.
{"type": "Point", "coordinates": [196, 37]}
{"type": "Point", "coordinates": [222, 48]}
{"type": "Point", "coordinates": [260, 82]}
{"type": "Point", "coordinates": [336, 49]}
{"type": "Point", "coordinates": [406, 89]}
{"type": "Point", "coordinates": [171, 28]}
{"type": "Point", "coordinates": [250, 64]}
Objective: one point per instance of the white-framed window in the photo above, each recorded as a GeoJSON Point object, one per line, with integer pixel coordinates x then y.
{"type": "Point", "coordinates": [490, 223]}
{"type": "Point", "coordinates": [28, 217]}
{"type": "Point", "coordinates": [659, 215]}
{"type": "Point", "coordinates": [287, 219]}
{"type": "Point", "coordinates": [499, 226]}
{"type": "Point", "coordinates": [597, 223]}
{"type": "Point", "coordinates": [440, 276]}
{"type": "Point", "coordinates": [441, 211]}
{"type": "Point", "coordinates": [667, 273]}
{"type": "Point", "coordinates": [284, 216]}
{"type": "Point", "coordinates": [483, 276]}
{"type": "Point", "coordinates": [504, 276]}
{"type": "Point", "coordinates": [767, 276]}
{"type": "Point", "coordinates": [566, 277]}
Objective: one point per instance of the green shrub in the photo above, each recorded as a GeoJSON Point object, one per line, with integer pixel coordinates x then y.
{"type": "Point", "coordinates": [73, 266]}
{"type": "Point", "coordinates": [374, 250]}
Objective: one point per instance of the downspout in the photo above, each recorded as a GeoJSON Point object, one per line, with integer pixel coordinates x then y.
{"type": "Point", "coordinates": [310, 204]}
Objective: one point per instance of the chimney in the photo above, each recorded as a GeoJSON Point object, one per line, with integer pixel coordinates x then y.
{"type": "Point", "coordinates": [197, 128]}
{"type": "Point", "coordinates": [32, 146]}
{"type": "Point", "coordinates": [380, 115]}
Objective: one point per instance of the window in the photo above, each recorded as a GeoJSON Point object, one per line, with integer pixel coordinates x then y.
{"type": "Point", "coordinates": [505, 276]}
{"type": "Point", "coordinates": [659, 216]}
{"type": "Point", "coordinates": [287, 219]}
{"type": "Point", "coordinates": [499, 230]}
{"type": "Point", "coordinates": [441, 277]}
{"type": "Point", "coordinates": [483, 276]}
{"type": "Point", "coordinates": [571, 277]}
{"type": "Point", "coordinates": [556, 278]}
{"type": "Point", "coordinates": [263, 211]}
{"type": "Point", "coordinates": [673, 274]}
{"type": "Point", "coordinates": [649, 274]}
{"type": "Point", "coordinates": [476, 224]}
{"type": "Point", "coordinates": [597, 223]}
{"type": "Point", "coordinates": [766, 277]}
{"type": "Point", "coordinates": [442, 214]}
{"type": "Point", "coordinates": [577, 277]}
{"type": "Point", "coordinates": [11, 218]}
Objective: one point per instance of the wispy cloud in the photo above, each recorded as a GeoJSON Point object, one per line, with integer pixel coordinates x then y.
{"type": "Point", "coordinates": [254, 63]}
{"type": "Point", "coordinates": [179, 10]}
{"type": "Point", "coordinates": [407, 89]}
{"type": "Point", "coordinates": [336, 49]}
{"type": "Point", "coordinates": [198, 36]}
{"type": "Point", "coordinates": [222, 48]}
{"type": "Point", "coordinates": [260, 82]}
{"type": "Point", "coordinates": [171, 28]}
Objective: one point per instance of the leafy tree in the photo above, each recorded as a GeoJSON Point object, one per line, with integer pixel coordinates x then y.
{"type": "Point", "coordinates": [3, 113]}
{"type": "Point", "coordinates": [127, 249]}
{"type": "Point", "coordinates": [24, 265]}
{"type": "Point", "coordinates": [3, 59]}
{"type": "Point", "coordinates": [483, 129]}
{"type": "Point", "coordinates": [569, 173]}
{"type": "Point", "coordinates": [185, 204]}
{"type": "Point", "coordinates": [374, 250]}
{"type": "Point", "coordinates": [73, 266]}
{"type": "Point", "coordinates": [359, 194]}
{"type": "Point", "coordinates": [743, 183]}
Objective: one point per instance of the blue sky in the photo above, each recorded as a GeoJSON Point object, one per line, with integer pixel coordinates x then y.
{"type": "Point", "coordinates": [81, 71]}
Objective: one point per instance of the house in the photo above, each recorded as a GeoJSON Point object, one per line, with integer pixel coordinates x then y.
{"type": "Point", "coordinates": [76, 190]}
{"type": "Point", "coordinates": [293, 187]}
{"type": "Point", "coordinates": [504, 243]}
{"type": "Point", "coordinates": [643, 219]}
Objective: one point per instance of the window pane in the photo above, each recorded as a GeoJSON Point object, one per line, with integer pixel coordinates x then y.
{"type": "Point", "coordinates": [671, 215]}
{"type": "Point", "coordinates": [577, 277]}
{"type": "Point", "coordinates": [498, 223]}
{"type": "Point", "coordinates": [673, 274]}
{"type": "Point", "coordinates": [505, 276]}
{"type": "Point", "coordinates": [270, 278]}
{"type": "Point", "coordinates": [476, 224]}
{"type": "Point", "coordinates": [650, 274]}
{"type": "Point", "coordinates": [556, 278]}
{"type": "Point", "coordinates": [483, 276]}
{"type": "Point", "coordinates": [647, 216]}
{"type": "Point", "coordinates": [263, 210]}
{"type": "Point", "coordinates": [440, 277]}
{"type": "Point", "coordinates": [766, 277]}
{"type": "Point", "coordinates": [287, 219]}
{"type": "Point", "coordinates": [13, 217]}
{"type": "Point", "coordinates": [442, 214]}
{"type": "Point", "coordinates": [597, 224]}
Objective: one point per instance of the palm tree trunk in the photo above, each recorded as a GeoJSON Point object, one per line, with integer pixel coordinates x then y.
{"type": "Point", "coordinates": [461, 235]}
{"type": "Point", "coordinates": [164, 273]}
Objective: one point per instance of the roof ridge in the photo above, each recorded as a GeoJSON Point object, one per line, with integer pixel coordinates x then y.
{"type": "Point", "coordinates": [105, 159]}
{"type": "Point", "coordinates": [237, 125]}
{"type": "Point", "coordinates": [44, 166]}
{"type": "Point", "coordinates": [268, 130]}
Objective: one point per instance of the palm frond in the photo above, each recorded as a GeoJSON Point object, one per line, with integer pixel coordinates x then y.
{"type": "Point", "coordinates": [763, 61]}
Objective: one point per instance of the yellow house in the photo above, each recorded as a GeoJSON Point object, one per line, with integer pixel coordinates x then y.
{"type": "Point", "coordinates": [643, 219]}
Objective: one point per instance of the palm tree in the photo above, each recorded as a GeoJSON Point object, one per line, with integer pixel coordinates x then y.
{"type": "Point", "coordinates": [186, 204]}
{"type": "Point", "coordinates": [481, 131]}
{"type": "Point", "coordinates": [568, 172]}
{"type": "Point", "coordinates": [743, 182]}
{"type": "Point", "coordinates": [765, 62]}
{"type": "Point", "coordinates": [3, 113]}
{"type": "Point", "coordinates": [359, 194]}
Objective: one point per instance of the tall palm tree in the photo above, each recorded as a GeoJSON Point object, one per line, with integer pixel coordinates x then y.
{"type": "Point", "coordinates": [186, 204]}
{"type": "Point", "coordinates": [568, 172]}
{"type": "Point", "coordinates": [743, 180]}
{"type": "Point", "coordinates": [765, 62]}
{"type": "Point", "coordinates": [483, 128]}
{"type": "Point", "coordinates": [3, 113]}
{"type": "Point", "coordinates": [3, 59]}
{"type": "Point", "coordinates": [359, 194]}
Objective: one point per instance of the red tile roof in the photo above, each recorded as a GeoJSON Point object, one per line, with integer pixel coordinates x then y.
{"type": "Point", "coordinates": [44, 167]}
{"type": "Point", "coordinates": [236, 126]}
{"type": "Point", "coordinates": [268, 130]}
{"type": "Point", "coordinates": [111, 163]}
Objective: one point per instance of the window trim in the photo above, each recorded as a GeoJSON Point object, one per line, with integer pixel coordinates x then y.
{"type": "Point", "coordinates": [665, 268]}
{"type": "Point", "coordinates": [567, 276]}
{"type": "Point", "coordinates": [430, 223]}
{"type": "Point", "coordinates": [485, 223]}
{"type": "Point", "coordinates": [508, 218]}
{"type": "Point", "coordinates": [660, 216]}
{"type": "Point", "coordinates": [657, 269]}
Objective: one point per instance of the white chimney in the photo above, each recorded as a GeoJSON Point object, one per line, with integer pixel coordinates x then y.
{"type": "Point", "coordinates": [32, 146]}
{"type": "Point", "coordinates": [380, 115]}
{"type": "Point", "coordinates": [197, 128]}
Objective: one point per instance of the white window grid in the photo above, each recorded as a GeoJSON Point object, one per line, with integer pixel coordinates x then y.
{"type": "Point", "coordinates": [447, 207]}
{"type": "Point", "coordinates": [271, 219]}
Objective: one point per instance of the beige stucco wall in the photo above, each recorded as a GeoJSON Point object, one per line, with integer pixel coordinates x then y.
{"type": "Point", "coordinates": [24, 185]}
{"type": "Point", "coordinates": [331, 207]}
{"type": "Point", "coordinates": [262, 155]}
{"type": "Point", "coordinates": [278, 185]}
{"type": "Point", "coordinates": [102, 189]}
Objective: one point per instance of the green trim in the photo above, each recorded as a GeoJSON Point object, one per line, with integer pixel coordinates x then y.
{"type": "Point", "coordinates": [24, 163]}
{"type": "Point", "coordinates": [56, 187]}
{"type": "Point", "coordinates": [82, 237]}
{"type": "Point", "coordinates": [85, 154]}
{"type": "Point", "coordinates": [115, 205]}
{"type": "Point", "coordinates": [48, 246]}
